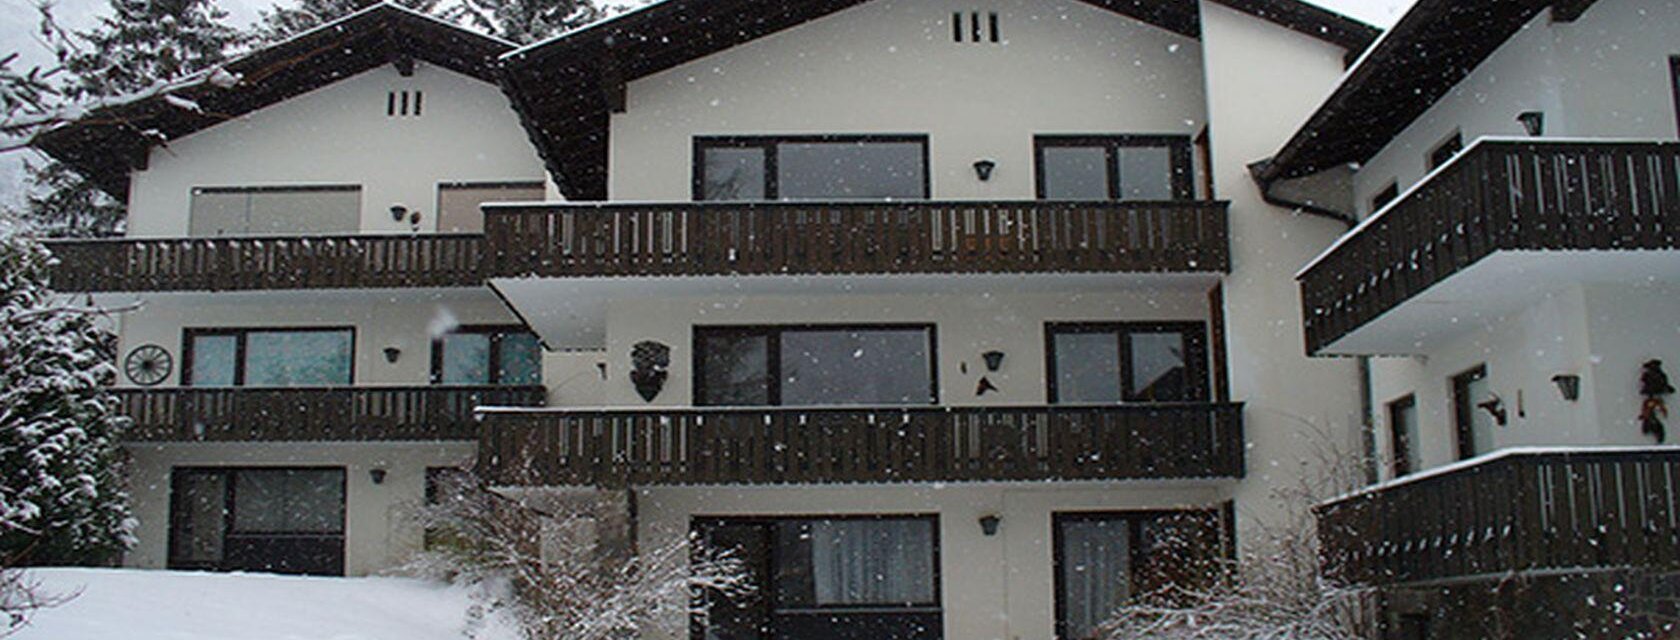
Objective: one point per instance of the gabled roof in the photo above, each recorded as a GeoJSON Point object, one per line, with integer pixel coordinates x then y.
{"type": "Point", "coordinates": [1428, 52]}
{"type": "Point", "coordinates": [565, 88]}
{"type": "Point", "coordinates": [109, 142]}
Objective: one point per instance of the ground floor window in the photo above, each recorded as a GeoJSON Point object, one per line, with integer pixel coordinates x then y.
{"type": "Point", "coordinates": [1104, 560]}
{"type": "Point", "coordinates": [828, 578]}
{"type": "Point", "coordinates": [281, 520]}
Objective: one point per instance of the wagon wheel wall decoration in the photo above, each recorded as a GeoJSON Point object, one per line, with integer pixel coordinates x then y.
{"type": "Point", "coordinates": [147, 365]}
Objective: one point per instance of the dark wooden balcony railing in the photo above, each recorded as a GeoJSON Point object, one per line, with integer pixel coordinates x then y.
{"type": "Point", "coordinates": [1520, 511]}
{"type": "Point", "coordinates": [564, 240]}
{"type": "Point", "coordinates": [269, 262]}
{"type": "Point", "coordinates": [778, 446]}
{"type": "Point", "coordinates": [245, 414]}
{"type": "Point", "coordinates": [1497, 195]}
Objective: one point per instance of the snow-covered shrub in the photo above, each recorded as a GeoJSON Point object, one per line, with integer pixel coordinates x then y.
{"type": "Point", "coordinates": [557, 575]}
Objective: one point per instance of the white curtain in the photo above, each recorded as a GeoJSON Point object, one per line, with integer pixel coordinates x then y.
{"type": "Point", "coordinates": [859, 562]}
{"type": "Point", "coordinates": [1096, 572]}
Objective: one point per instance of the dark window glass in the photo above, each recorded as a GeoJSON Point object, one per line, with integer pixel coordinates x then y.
{"type": "Point", "coordinates": [853, 562]}
{"type": "Point", "coordinates": [827, 168]}
{"type": "Point", "coordinates": [1105, 363]}
{"type": "Point", "coordinates": [1387, 195]}
{"type": "Point", "coordinates": [288, 501]}
{"type": "Point", "coordinates": [1475, 425]}
{"type": "Point", "coordinates": [487, 355]}
{"type": "Point", "coordinates": [200, 505]}
{"type": "Point", "coordinates": [877, 366]}
{"type": "Point", "coordinates": [277, 520]}
{"type": "Point", "coordinates": [1095, 572]}
{"type": "Point", "coordinates": [1445, 151]}
{"type": "Point", "coordinates": [1075, 173]}
{"type": "Point", "coordinates": [1105, 559]}
{"type": "Point", "coordinates": [1114, 168]}
{"type": "Point", "coordinates": [270, 358]}
{"type": "Point", "coordinates": [1403, 426]}
{"type": "Point", "coordinates": [814, 366]}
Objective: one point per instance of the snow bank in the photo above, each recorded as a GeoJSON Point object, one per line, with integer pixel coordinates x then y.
{"type": "Point", "coordinates": [173, 605]}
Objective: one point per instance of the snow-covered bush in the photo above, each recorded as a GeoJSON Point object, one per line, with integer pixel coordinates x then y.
{"type": "Point", "coordinates": [559, 578]}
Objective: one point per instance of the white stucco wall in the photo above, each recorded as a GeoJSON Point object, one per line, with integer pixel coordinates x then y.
{"type": "Point", "coordinates": [1604, 75]}
{"type": "Point", "coordinates": [1601, 331]}
{"type": "Point", "coordinates": [1263, 81]}
{"type": "Point", "coordinates": [402, 319]}
{"type": "Point", "coordinates": [340, 135]}
{"type": "Point", "coordinates": [992, 587]}
{"type": "Point", "coordinates": [379, 527]}
{"type": "Point", "coordinates": [965, 326]}
{"type": "Point", "coordinates": [890, 66]}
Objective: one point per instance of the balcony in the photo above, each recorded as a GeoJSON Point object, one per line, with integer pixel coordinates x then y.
{"type": "Point", "coordinates": [759, 446]}
{"type": "Point", "coordinates": [1540, 204]}
{"type": "Point", "coordinates": [269, 262]}
{"type": "Point", "coordinates": [1521, 510]}
{"type": "Point", "coordinates": [305, 414]}
{"type": "Point", "coordinates": [828, 238]}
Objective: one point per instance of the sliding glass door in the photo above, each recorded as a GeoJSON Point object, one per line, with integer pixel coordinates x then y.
{"type": "Point", "coordinates": [279, 520]}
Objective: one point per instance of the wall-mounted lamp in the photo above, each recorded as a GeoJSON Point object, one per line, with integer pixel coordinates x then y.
{"type": "Point", "coordinates": [1496, 408]}
{"type": "Point", "coordinates": [983, 169]}
{"type": "Point", "coordinates": [989, 524]}
{"type": "Point", "coordinates": [398, 212]}
{"type": "Point", "coordinates": [377, 476]}
{"type": "Point", "coordinates": [1569, 386]}
{"type": "Point", "coordinates": [1534, 122]}
{"type": "Point", "coordinates": [392, 354]}
{"type": "Point", "coordinates": [994, 360]}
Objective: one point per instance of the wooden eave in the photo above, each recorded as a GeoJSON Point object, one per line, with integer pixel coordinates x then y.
{"type": "Point", "coordinates": [111, 141]}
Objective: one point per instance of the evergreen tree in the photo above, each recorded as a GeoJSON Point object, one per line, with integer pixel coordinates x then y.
{"type": "Point", "coordinates": [286, 21]}
{"type": "Point", "coordinates": [61, 497]}
{"type": "Point", "coordinates": [523, 21]}
{"type": "Point", "coordinates": [140, 45]}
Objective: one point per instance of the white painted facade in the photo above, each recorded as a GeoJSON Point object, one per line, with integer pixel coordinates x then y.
{"type": "Point", "coordinates": [340, 135]}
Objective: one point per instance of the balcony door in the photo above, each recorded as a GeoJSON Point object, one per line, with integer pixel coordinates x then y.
{"type": "Point", "coordinates": [277, 520]}
{"type": "Point", "coordinates": [828, 578]}
{"type": "Point", "coordinates": [1474, 425]}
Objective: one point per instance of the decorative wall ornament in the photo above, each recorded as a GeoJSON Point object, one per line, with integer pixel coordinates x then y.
{"type": "Point", "coordinates": [147, 365]}
{"type": "Point", "coordinates": [649, 361]}
{"type": "Point", "coordinates": [985, 387]}
{"type": "Point", "coordinates": [1569, 386]}
{"type": "Point", "coordinates": [1653, 384]}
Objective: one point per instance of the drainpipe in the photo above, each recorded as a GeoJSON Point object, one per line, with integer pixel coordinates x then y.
{"type": "Point", "coordinates": [1265, 176]}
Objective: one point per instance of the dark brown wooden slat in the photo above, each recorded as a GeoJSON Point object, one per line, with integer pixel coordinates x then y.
{"type": "Point", "coordinates": [312, 414]}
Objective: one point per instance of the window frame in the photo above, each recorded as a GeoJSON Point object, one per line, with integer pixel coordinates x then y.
{"type": "Point", "coordinates": [496, 332]}
{"type": "Point", "coordinates": [1402, 450]}
{"type": "Point", "coordinates": [1385, 196]}
{"type": "Point", "coordinates": [1464, 409]}
{"type": "Point", "coordinates": [240, 335]}
{"type": "Point", "coordinates": [773, 365]}
{"type": "Point", "coordinates": [1445, 150]}
{"type": "Point", "coordinates": [769, 143]}
{"type": "Point", "coordinates": [1178, 148]}
{"type": "Point", "coordinates": [177, 477]}
{"type": "Point", "coordinates": [772, 593]}
{"type": "Point", "coordinates": [447, 185]}
{"type": "Point", "coordinates": [1195, 354]}
{"type": "Point", "coordinates": [1134, 520]}
{"type": "Point", "coordinates": [194, 191]}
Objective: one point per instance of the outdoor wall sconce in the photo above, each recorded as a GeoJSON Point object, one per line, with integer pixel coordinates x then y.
{"type": "Point", "coordinates": [392, 354]}
{"type": "Point", "coordinates": [1534, 122]}
{"type": "Point", "coordinates": [398, 212]}
{"type": "Point", "coordinates": [377, 476]}
{"type": "Point", "coordinates": [989, 524]}
{"type": "Point", "coordinates": [994, 360]}
{"type": "Point", "coordinates": [983, 169]}
{"type": "Point", "coordinates": [1569, 386]}
{"type": "Point", "coordinates": [1496, 408]}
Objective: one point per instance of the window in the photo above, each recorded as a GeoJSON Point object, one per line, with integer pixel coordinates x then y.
{"type": "Point", "coordinates": [507, 355]}
{"type": "Point", "coordinates": [1387, 195]}
{"type": "Point", "coordinates": [285, 520]}
{"type": "Point", "coordinates": [268, 357]}
{"type": "Point", "coordinates": [1473, 424]}
{"type": "Point", "coordinates": [240, 211]}
{"type": "Point", "coordinates": [1403, 434]}
{"type": "Point", "coordinates": [458, 203]}
{"type": "Point", "coordinates": [1104, 559]}
{"type": "Point", "coordinates": [1113, 167]}
{"type": "Point", "coordinates": [814, 366]}
{"type": "Point", "coordinates": [1445, 151]}
{"type": "Point", "coordinates": [876, 575]}
{"type": "Point", "coordinates": [1127, 362]}
{"type": "Point", "coordinates": [811, 168]}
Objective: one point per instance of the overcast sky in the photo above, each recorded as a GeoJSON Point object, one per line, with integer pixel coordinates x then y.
{"type": "Point", "coordinates": [18, 22]}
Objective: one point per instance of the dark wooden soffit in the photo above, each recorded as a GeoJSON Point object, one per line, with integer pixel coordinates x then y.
{"type": "Point", "coordinates": [110, 142]}
{"type": "Point", "coordinates": [1433, 48]}
{"type": "Point", "coordinates": [566, 88]}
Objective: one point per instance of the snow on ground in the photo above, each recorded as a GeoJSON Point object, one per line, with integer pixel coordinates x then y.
{"type": "Point", "coordinates": [136, 604]}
